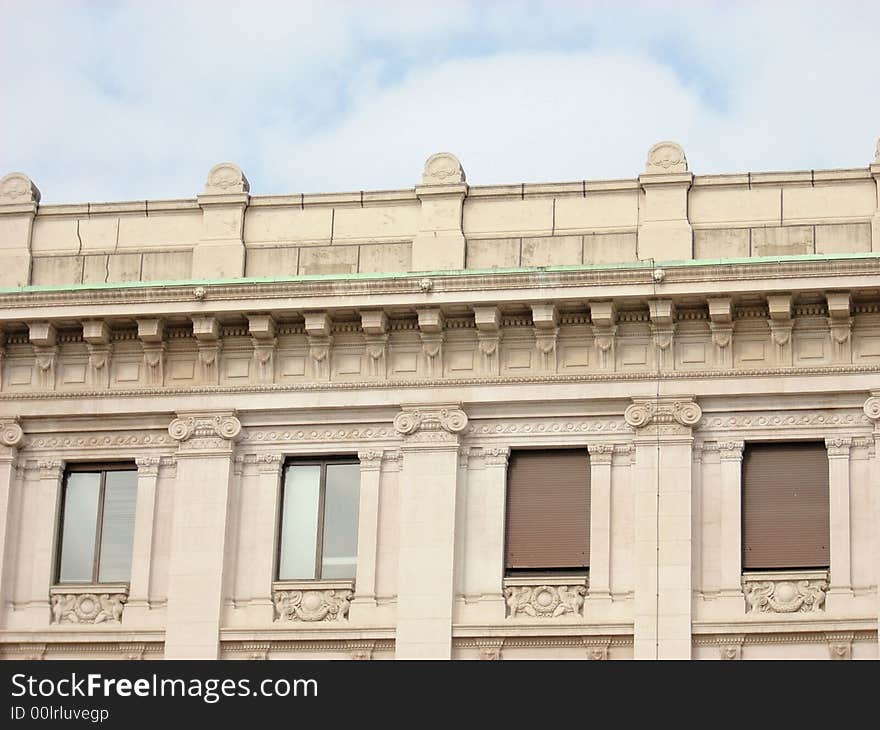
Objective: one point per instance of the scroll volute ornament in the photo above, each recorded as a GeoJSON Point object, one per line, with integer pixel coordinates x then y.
{"type": "Point", "coordinates": [684, 412]}
{"type": "Point", "coordinates": [225, 427]}
{"type": "Point", "coordinates": [11, 434]}
{"type": "Point", "coordinates": [872, 408]}
{"type": "Point", "coordinates": [450, 419]}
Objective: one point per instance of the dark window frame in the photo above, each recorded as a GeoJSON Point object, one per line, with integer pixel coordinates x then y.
{"type": "Point", "coordinates": [759, 443]}
{"type": "Point", "coordinates": [550, 572]}
{"type": "Point", "coordinates": [322, 493]}
{"type": "Point", "coordinates": [101, 468]}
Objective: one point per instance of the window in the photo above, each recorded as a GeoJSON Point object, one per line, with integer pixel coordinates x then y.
{"type": "Point", "coordinates": [548, 511]}
{"type": "Point", "coordinates": [97, 523]}
{"type": "Point", "coordinates": [319, 520]}
{"type": "Point", "coordinates": [785, 506]}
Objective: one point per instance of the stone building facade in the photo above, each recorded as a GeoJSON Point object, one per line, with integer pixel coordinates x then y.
{"type": "Point", "coordinates": [180, 377]}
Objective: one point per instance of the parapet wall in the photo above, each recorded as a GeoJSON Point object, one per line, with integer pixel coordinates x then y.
{"type": "Point", "coordinates": [666, 214]}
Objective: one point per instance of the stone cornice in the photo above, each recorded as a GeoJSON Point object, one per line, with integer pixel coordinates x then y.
{"type": "Point", "coordinates": [637, 277]}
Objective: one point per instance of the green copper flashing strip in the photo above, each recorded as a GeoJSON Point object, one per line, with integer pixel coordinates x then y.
{"type": "Point", "coordinates": [644, 264]}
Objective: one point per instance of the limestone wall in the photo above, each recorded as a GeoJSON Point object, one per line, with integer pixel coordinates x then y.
{"type": "Point", "coordinates": [662, 373]}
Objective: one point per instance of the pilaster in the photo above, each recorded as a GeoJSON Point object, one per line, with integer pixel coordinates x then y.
{"type": "Point", "coordinates": [840, 518]}
{"type": "Point", "coordinates": [872, 411]}
{"type": "Point", "coordinates": [43, 538]}
{"type": "Point", "coordinates": [199, 532]}
{"type": "Point", "coordinates": [731, 454]}
{"type": "Point", "coordinates": [484, 525]}
{"type": "Point", "coordinates": [430, 448]}
{"type": "Point", "coordinates": [662, 475]}
{"type": "Point", "coordinates": [142, 543]}
{"type": "Point", "coordinates": [11, 437]}
{"type": "Point", "coordinates": [601, 456]}
{"type": "Point", "coordinates": [260, 606]}
{"type": "Point", "coordinates": [364, 602]}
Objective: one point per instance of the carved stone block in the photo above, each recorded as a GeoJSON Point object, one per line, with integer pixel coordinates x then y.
{"type": "Point", "coordinates": [312, 601]}
{"type": "Point", "coordinates": [545, 597]}
{"type": "Point", "coordinates": [94, 604]}
{"type": "Point", "coordinates": [789, 592]}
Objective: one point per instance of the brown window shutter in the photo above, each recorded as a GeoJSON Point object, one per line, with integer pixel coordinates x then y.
{"type": "Point", "coordinates": [548, 509]}
{"type": "Point", "coordinates": [785, 506]}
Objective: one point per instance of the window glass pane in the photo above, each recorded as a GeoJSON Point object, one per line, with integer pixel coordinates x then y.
{"type": "Point", "coordinates": [80, 523]}
{"type": "Point", "coordinates": [299, 522]}
{"type": "Point", "coordinates": [339, 554]}
{"type": "Point", "coordinates": [117, 531]}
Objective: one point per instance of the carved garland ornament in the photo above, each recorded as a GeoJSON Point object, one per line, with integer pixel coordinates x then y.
{"type": "Point", "coordinates": [785, 596]}
{"type": "Point", "coordinates": [312, 605]}
{"type": "Point", "coordinates": [87, 608]}
{"type": "Point", "coordinates": [545, 601]}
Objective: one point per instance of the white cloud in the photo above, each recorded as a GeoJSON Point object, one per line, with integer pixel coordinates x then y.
{"type": "Point", "coordinates": [138, 100]}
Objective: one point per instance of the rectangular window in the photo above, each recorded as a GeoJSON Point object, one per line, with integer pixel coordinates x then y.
{"type": "Point", "coordinates": [785, 506]}
{"type": "Point", "coordinates": [97, 523]}
{"type": "Point", "coordinates": [548, 510]}
{"type": "Point", "coordinates": [319, 520]}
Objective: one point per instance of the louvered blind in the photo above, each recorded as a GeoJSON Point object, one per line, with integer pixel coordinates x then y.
{"type": "Point", "coordinates": [548, 509]}
{"type": "Point", "coordinates": [785, 506]}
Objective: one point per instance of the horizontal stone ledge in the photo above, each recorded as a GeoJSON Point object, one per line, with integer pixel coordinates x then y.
{"type": "Point", "coordinates": [540, 628]}
{"type": "Point", "coordinates": [341, 631]}
{"type": "Point", "coordinates": [699, 278]}
{"type": "Point", "coordinates": [815, 624]}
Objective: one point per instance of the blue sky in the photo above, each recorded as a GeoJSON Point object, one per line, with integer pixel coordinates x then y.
{"type": "Point", "coordinates": [133, 100]}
